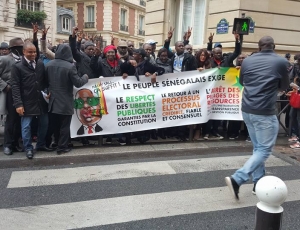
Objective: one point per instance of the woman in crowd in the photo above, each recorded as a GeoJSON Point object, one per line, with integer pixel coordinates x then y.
{"type": "Point", "coordinates": [203, 62]}
{"type": "Point", "coordinates": [163, 61]}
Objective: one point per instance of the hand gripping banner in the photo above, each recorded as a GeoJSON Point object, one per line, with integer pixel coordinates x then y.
{"type": "Point", "coordinates": [115, 105]}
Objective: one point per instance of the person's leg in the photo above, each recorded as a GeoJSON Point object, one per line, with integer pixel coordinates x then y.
{"type": "Point", "coordinates": [64, 131]}
{"type": "Point", "coordinates": [26, 132]}
{"type": "Point", "coordinates": [42, 130]}
{"type": "Point", "coordinates": [12, 116]}
{"type": "Point", "coordinates": [263, 132]}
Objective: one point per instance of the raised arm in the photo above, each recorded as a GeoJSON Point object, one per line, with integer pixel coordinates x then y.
{"type": "Point", "coordinates": [72, 40]}
{"type": "Point", "coordinates": [237, 49]}
{"type": "Point", "coordinates": [210, 40]}
{"type": "Point", "coordinates": [168, 41]}
{"type": "Point", "coordinates": [35, 41]}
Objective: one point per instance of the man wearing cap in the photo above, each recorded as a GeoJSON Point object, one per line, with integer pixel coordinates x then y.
{"type": "Point", "coordinates": [83, 59]}
{"type": "Point", "coordinates": [218, 59]}
{"type": "Point", "coordinates": [123, 51]}
{"type": "Point", "coordinates": [4, 49]}
{"type": "Point", "coordinates": [12, 130]}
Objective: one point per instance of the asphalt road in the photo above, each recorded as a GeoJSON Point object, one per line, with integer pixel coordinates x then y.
{"type": "Point", "coordinates": [184, 190]}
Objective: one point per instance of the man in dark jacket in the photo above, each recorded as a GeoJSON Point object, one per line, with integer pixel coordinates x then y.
{"type": "Point", "coordinates": [262, 75]}
{"type": "Point", "coordinates": [62, 76]}
{"type": "Point", "coordinates": [83, 59]}
{"type": "Point", "coordinates": [28, 80]}
{"type": "Point", "coordinates": [219, 60]}
{"type": "Point", "coordinates": [12, 130]}
{"type": "Point", "coordinates": [182, 61]}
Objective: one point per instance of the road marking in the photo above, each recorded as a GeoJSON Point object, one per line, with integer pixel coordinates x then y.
{"type": "Point", "coordinates": [20, 179]}
{"type": "Point", "coordinates": [131, 208]}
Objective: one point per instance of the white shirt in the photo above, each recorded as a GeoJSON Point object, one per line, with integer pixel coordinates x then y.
{"type": "Point", "coordinates": [33, 62]}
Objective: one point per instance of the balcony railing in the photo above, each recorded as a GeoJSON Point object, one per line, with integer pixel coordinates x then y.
{"type": "Point", "coordinates": [21, 23]}
{"type": "Point", "coordinates": [142, 32]}
{"type": "Point", "coordinates": [89, 25]}
{"type": "Point", "coordinates": [142, 3]}
{"type": "Point", "coordinates": [124, 28]}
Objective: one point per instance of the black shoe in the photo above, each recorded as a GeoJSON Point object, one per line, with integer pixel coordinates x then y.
{"type": "Point", "coordinates": [7, 151]}
{"type": "Point", "coordinates": [121, 141]}
{"type": "Point", "coordinates": [233, 187]}
{"type": "Point", "coordinates": [253, 190]}
{"type": "Point", "coordinates": [1, 144]}
{"type": "Point", "coordinates": [154, 135]}
{"type": "Point", "coordinates": [44, 149]}
{"type": "Point", "coordinates": [17, 149]}
{"type": "Point", "coordinates": [29, 154]}
{"type": "Point", "coordinates": [217, 136]}
{"type": "Point", "coordinates": [70, 145]}
{"type": "Point", "coordinates": [108, 140]}
{"type": "Point", "coordinates": [233, 137]}
{"type": "Point", "coordinates": [61, 151]}
{"type": "Point", "coordinates": [85, 142]}
{"type": "Point", "coordinates": [54, 145]}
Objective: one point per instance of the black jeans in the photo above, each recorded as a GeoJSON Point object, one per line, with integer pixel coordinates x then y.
{"type": "Point", "coordinates": [234, 128]}
{"type": "Point", "coordinates": [12, 129]}
{"type": "Point", "coordinates": [62, 123]}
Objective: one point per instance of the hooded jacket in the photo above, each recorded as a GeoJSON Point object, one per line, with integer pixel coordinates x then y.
{"type": "Point", "coordinates": [62, 76]}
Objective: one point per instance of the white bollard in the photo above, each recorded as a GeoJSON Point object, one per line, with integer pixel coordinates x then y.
{"type": "Point", "coordinates": [272, 192]}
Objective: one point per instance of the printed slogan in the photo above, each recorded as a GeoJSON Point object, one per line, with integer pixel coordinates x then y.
{"type": "Point", "coordinates": [115, 105]}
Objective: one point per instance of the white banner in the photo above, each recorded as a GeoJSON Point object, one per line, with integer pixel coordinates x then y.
{"type": "Point", "coordinates": [114, 105]}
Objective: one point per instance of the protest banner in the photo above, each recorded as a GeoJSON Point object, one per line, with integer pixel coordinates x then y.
{"type": "Point", "coordinates": [115, 105]}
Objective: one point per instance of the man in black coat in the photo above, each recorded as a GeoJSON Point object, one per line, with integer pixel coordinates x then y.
{"type": "Point", "coordinates": [28, 82]}
{"type": "Point", "coordinates": [82, 59]}
{"type": "Point", "coordinates": [62, 76]}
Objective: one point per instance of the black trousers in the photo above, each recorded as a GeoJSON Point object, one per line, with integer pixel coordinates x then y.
{"type": "Point", "coordinates": [12, 129]}
{"type": "Point", "coordinates": [62, 123]}
{"type": "Point", "coordinates": [234, 128]}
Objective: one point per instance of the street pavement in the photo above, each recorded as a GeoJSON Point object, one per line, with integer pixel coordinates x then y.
{"type": "Point", "coordinates": [178, 188]}
{"type": "Point", "coordinates": [159, 185]}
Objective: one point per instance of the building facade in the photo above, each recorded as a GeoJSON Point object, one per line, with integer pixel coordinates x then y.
{"type": "Point", "coordinates": [276, 18]}
{"type": "Point", "coordinates": [15, 14]}
{"type": "Point", "coordinates": [124, 19]}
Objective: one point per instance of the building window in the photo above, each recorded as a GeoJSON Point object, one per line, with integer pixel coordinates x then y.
{"type": "Point", "coordinates": [141, 25]}
{"type": "Point", "coordinates": [90, 13]}
{"type": "Point", "coordinates": [29, 5]}
{"type": "Point", "coordinates": [66, 24]}
{"type": "Point", "coordinates": [190, 13]}
{"type": "Point", "coordinates": [123, 17]}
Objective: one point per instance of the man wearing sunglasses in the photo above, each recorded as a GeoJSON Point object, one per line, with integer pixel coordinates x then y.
{"type": "Point", "coordinates": [88, 111]}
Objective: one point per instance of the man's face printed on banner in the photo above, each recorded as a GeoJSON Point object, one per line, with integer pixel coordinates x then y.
{"type": "Point", "coordinates": [87, 107]}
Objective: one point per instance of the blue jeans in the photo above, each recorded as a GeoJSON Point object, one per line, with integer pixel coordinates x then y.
{"type": "Point", "coordinates": [263, 130]}
{"type": "Point", "coordinates": [26, 131]}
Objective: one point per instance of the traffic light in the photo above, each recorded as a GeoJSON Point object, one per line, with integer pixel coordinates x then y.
{"type": "Point", "coordinates": [241, 26]}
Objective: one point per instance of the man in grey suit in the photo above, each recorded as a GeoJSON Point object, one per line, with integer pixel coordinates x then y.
{"type": "Point", "coordinates": [12, 130]}
{"type": "Point", "coordinates": [62, 76]}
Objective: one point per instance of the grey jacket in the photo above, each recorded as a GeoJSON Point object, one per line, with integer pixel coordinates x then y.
{"type": "Point", "coordinates": [167, 66]}
{"type": "Point", "coordinates": [62, 76]}
{"type": "Point", "coordinates": [262, 74]}
{"type": "Point", "coordinates": [6, 63]}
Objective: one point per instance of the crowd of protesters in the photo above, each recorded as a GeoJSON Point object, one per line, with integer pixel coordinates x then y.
{"type": "Point", "coordinates": [36, 86]}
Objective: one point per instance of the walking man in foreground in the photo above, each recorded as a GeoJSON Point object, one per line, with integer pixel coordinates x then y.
{"type": "Point", "coordinates": [262, 75]}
